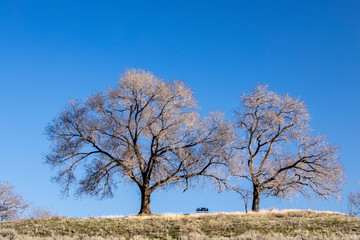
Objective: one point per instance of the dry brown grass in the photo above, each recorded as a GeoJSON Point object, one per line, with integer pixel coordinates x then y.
{"type": "Point", "coordinates": [286, 224]}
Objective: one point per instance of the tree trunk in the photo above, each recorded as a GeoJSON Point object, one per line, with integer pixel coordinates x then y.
{"type": "Point", "coordinates": [256, 199]}
{"type": "Point", "coordinates": [145, 201]}
{"type": "Point", "coordinates": [246, 206]}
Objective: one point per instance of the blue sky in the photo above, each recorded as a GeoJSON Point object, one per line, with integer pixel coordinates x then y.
{"type": "Point", "coordinates": [54, 50]}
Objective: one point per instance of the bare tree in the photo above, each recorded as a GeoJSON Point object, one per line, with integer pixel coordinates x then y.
{"type": "Point", "coordinates": [353, 203]}
{"type": "Point", "coordinates": [278, 154]}
{"type": "Point", "coordinates": [11, 204]}
{"type": "Point", "coordinates": [41, 212]}
{"type": "Point", "coordinates": [144, 130]}
{"type": "Point", "coordinates": [245, 195]}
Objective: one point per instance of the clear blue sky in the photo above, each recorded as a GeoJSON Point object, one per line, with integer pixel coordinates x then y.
{"type": "Point", "coordinates": [54, 50]}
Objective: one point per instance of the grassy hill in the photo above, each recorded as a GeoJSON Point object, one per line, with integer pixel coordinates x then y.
{"type": "Point", "coordinates": [287, 224]}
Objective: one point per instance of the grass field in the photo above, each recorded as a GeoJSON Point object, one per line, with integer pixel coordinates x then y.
{"type": "Point", "coordinates": [286, 224]}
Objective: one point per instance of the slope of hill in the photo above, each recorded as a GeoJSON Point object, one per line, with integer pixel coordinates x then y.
{"type": "Point", "coordinates": [287, 224]}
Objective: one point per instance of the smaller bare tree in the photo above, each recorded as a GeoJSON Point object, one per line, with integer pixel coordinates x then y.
{"type": "Point", "coordinates": [12, 205]}
{"type": "Point", "coordinates": [354, 203]}
{"type": "Point", "coordinates": [278, 153]}
{"type": "Point", "coordinates": [42, 212]}
{"type": "Point", "coordinates": [245, 195]}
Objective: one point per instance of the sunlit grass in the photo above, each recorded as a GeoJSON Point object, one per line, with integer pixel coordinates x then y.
{"type": "Point", "coordinates": [274, 224]}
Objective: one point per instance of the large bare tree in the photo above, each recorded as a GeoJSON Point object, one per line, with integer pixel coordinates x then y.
{"type": "Point", "coordinates": [11, 203]}
{"type": "Point", "coordinates": [144, 130]}
{"type": "Point", "coordinates": [278, 154]}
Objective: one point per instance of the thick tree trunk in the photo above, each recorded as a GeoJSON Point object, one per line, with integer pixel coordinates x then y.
{"type": "Point", "coordinates": [145, 201]}
{"type": "Point", "coordinates": [256, 199]}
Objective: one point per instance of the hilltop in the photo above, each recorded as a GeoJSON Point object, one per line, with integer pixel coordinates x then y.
{"type": "Point", "coordinates": [286, 224]}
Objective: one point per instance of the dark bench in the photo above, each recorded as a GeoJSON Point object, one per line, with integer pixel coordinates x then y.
{"type": "Point", "coordinates": [202, 210]}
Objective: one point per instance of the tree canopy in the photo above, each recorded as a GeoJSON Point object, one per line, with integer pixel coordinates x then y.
{"type": "Point", "coordinates": [12, 205]}
{"type": "Point", "coordinates": [144, 130]}
{"type": "Point", "coordinates": [278, 153]}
